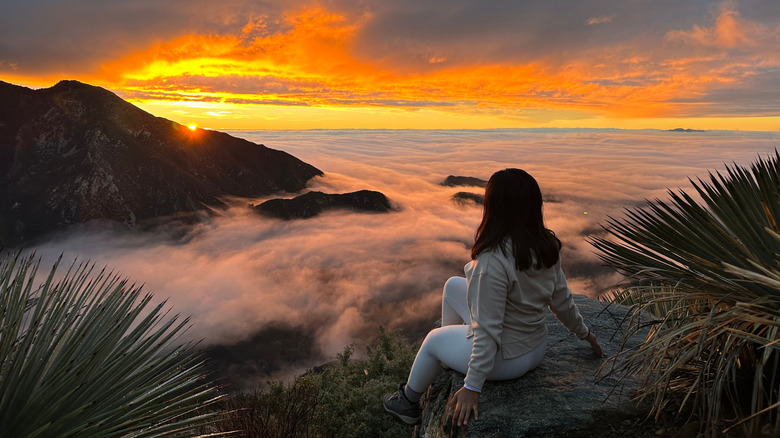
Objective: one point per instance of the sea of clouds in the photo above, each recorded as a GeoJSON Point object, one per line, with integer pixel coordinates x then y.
{"type": "Point", "coordinates": [337, 277]}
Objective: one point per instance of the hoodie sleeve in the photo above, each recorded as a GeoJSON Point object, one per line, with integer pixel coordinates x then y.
{"type": "Point", "coordinates": [563, 306]}
{"type": "Point", "coordinates": [487, 294]}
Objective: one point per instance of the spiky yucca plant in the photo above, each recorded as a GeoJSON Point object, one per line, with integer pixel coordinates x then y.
{"type": "Point", "coordinates": [710, 273]}
{"type": "Point", "coordinates": [85, 356]}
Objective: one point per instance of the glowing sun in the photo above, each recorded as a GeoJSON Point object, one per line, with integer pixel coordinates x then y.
{"type": "Point", "coordinates": [192, 126]}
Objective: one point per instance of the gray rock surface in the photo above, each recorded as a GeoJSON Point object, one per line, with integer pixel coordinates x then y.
{"type": "Point", "coordinates": [558, 396]}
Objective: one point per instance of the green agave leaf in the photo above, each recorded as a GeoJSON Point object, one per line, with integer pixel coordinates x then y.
{"type": "Point", "coordinates": [87, 356]}
{"type": "Point", "coordinates": [709, 273]}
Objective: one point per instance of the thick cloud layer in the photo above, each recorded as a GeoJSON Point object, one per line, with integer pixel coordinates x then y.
{"type": "Point", "coordinates": [340, 275]}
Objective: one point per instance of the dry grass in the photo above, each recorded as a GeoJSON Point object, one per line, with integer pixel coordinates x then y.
{"type": "Point", "coordinates": [709, 276]}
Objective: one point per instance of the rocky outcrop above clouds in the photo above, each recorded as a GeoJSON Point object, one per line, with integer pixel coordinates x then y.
{"type": "Point", "coordinates": [456, 181]}
{"type": "Point", "coordinates": [468, 198]}
{"type": "Point", "coordinates": [313, 203]}
{"type": "Point", "coordinates": [685, 130]}
{"type": "Point", "coordinates": [75, 152]}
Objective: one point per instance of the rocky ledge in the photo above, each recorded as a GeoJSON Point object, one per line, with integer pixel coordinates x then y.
{"type": "Point", "coordinates": [555, 399]}
{"type": "Point", "coordinates": [313, 203]}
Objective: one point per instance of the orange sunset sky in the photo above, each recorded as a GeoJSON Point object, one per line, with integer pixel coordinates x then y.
{"type": "Point", "coordinates": [292, 64]}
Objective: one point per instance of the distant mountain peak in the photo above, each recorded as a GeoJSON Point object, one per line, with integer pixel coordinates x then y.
{"type": "Point", "coordinates": [72, 83]}
{"type": "Point", "coordinates": [76, 152]}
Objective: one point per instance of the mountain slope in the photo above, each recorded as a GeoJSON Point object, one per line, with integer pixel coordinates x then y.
{"type": "Point", "coordinates": [75, 152]}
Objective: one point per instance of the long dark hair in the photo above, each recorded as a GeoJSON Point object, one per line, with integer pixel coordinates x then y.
{"type": "Point", "coordinates": [513, 209]}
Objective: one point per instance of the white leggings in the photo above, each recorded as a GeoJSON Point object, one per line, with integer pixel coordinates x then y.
{"type": "Point", "coordinates": [449, 346]}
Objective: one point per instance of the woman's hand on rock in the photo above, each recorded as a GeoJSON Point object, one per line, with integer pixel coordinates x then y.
{"type": "Point", "coordinates": [594, 344]}
{"type": "Point", "coordinates": [462, 404]}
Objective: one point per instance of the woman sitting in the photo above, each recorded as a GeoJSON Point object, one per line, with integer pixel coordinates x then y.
{"type": "Point", "coordinates": [493, 321]}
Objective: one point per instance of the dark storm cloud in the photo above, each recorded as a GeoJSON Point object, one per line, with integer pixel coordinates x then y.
{"type": "Point", "coordinates": [76, 36]}
{"type": "Point", "coordinates": [519, 31]}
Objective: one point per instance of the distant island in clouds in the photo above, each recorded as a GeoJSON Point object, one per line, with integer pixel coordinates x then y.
{"type": "Point", "coordinates": [685, 130]}
{"type": "Point", "coordinates": [75, 152]}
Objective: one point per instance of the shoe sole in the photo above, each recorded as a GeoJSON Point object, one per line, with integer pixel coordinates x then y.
{"type": "Point", "coordinates": [408, 420]}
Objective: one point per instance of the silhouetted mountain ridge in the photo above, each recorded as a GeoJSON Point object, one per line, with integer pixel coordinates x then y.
{"type": "Point", "coordinates": [75, 152]}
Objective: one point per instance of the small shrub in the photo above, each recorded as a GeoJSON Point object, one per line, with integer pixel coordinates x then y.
{"type": "Point", "coordinates": [341, 400]}
{"type": "Point", "coordinates": [279, 411]}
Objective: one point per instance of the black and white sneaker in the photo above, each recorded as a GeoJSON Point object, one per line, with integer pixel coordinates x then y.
{"type": "Point", "coordinates": [398, 405]}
